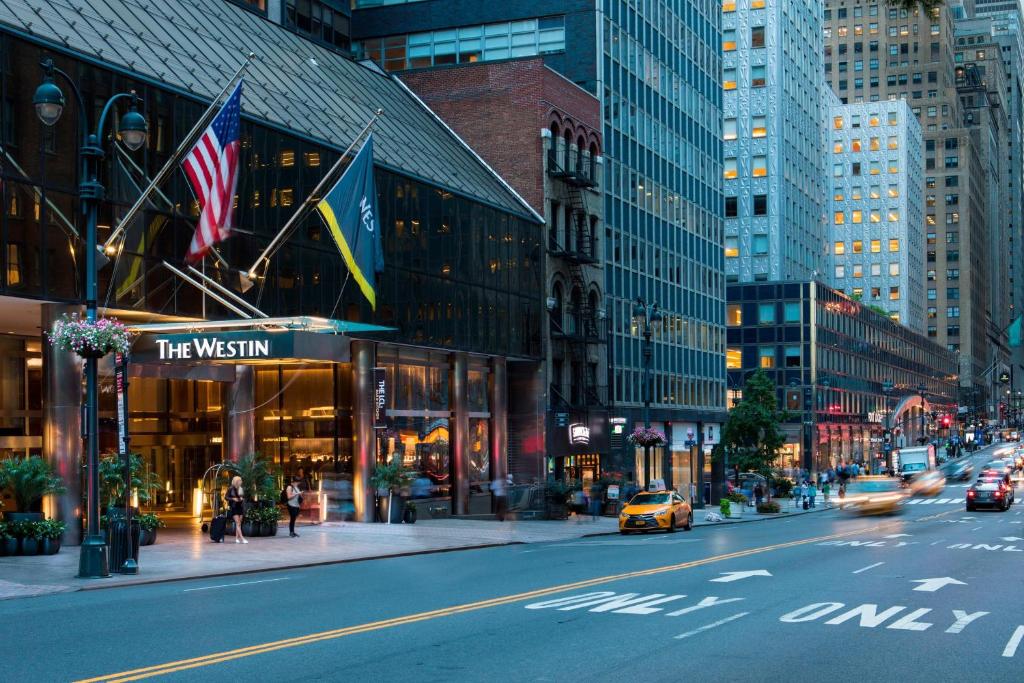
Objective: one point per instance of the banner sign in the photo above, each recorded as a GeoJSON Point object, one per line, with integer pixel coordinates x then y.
{"type": "Point", "coordinates": [121, 386]}
{"type": "Point", "coordinates": [380, 398]}
{"type": "Point", "coordinates": [236, 346]}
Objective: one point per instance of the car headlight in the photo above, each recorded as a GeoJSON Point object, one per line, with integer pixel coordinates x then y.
{"type": "Point", "coordinates": [659, 513]}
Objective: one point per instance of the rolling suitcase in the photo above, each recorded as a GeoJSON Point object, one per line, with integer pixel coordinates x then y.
{"type": "Point", "coordinates": [217, 528]}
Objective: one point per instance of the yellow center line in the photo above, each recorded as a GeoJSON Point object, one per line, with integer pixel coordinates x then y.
{"type": "Point", "coordinates": [239, 653]}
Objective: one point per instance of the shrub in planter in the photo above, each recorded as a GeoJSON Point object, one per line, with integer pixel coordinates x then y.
{"type": "Point", "coordinates": [409, 514]}
{"type": "Point", "coordinates": [783, 487]}
{"type": "Point", "coordinates": [48, 532]}
{"type": "Point", "coordinates": [263, 519]}
{"type": "Point", "coordinates": [769, 506]}
{"type": "Point", "coordinates": [29, 479]}
{"type": "Point", "coordinates": [112, 490]}
{"type": "Point", "coordinates": [27, 531]}
{"type": "Point", "coordinates": [723, 507]}
{"type": "Point", "coordinates": [148, 525]}
{"type": "Point", "coordinates": [8, 543]}
{"type": "Point", "coordinates": [738, 498]}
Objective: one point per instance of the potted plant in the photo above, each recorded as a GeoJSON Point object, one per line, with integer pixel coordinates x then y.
{"type": "Point", "coordinates": [409, 513]}
{"type": "Point", "coordinates": [144, 483]}
{"type": "Point", "coordinates": [28, 531]}
{"type": "Point", "coordinates": [48, 532]}
{"type": "Point", "coordinates": [723, 507]}
{"type": "Point", "coordinates": [389, 479]}
{"type": "Point", "coordinates": [148, 525]}
{"type": "Point", "coordinates": [769, 507]}
{"type": "Point", "coordinates": [250, 522]}
{"type": "Point", "coordinates": [29, 479]}
{"type": "Point", "coordinates": [259, 477]}
{"type": "Point", "coordinates": [90, 338]}
{"type": "Point", "coordinates": [736, 502]}
{"type": "Point", "coordinates": [8, 543]}
{"type": "Point", "coordinates": [263, 519]}
{"type": "Point", "coordinates": [555, 506]}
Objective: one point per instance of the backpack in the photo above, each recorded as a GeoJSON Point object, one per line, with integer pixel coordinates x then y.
{"type": "Point", "coordinates": [283, 499]}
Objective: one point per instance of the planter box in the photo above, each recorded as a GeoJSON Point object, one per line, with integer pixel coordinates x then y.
{"type": "Point", "coordinates": [31, 546]}
{"type": "Point", "coordinates": [147, 537]}
{"type": "Point", "coordinates": [50, 546]}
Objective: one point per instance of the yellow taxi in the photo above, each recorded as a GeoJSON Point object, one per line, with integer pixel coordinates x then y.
{"type": "Point", "coordinates": [655, 511]}
{"type": "Point", "coordinates": [873, 496]}
{"type": "Point", "coordinates": [930, 483]}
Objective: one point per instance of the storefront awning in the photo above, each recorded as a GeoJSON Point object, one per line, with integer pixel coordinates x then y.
{"type": "Point", "coordinates": [249, 342]}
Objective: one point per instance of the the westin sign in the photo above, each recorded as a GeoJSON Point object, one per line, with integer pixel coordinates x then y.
{"type": "Point", "coordinates": [212, 348]}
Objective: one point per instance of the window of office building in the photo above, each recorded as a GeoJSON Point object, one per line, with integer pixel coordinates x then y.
{"type": "Point", "coordinates": [766, 356]}
{"type": "Point", "coordinates": [729, 78]}
{"type": "Point", "coordinates": [480, 43]}
{"type": "Point", "coordinates": [840, 272]}
{"type": "Point", "coordinates": [731, 207]}
{"type": "Point", "coordinates": [733, 358]}
{"type": "Point", "coordinates": [760, 205]}
{"type": "Point", "coordinates": [894, 245]}
{"type": "Point", "coordinates": [791, 312]}
{"type": "Point", "coordinates": [759, 165]}
{"type": "Point", "coordinates": [757, 76]}
{"type": "Point", "coordinates": [759, 245]}
{"type": "Point", "coordinates": [734, 315]}
{"type": "Point", "coordinates": [729, 168]}
{"type": "Point", "coordinates": [839, 248]}
{"type": "Point", "coordinates": [318, 21]}
{"type": "Point", "coordinates": [728, 40]}
{"type": "Point", "coordinates": [758, 126]}
{"type": "Point", "coordinates": [839, 218]}
{"type": "Point", "coordinates": [894, 269]}
{"type": "Point", "coordinates": [792, 356]}
{"type": "Point", "coordinates": [732, 247]}
{"type": "Point", "coordinates": [858, 247]}
{"type": "Point", "coordinates": [894, 293]}
{"type": "Point", "coordinates": [766, 313]}
{"type": "Point", "coordinates": [757, 36]}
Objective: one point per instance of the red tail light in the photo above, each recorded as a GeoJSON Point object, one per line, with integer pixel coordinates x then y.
{"type": "Point", "coordinates": [999, 494]}
{"type": "Point", "coordinates": [970, 494]}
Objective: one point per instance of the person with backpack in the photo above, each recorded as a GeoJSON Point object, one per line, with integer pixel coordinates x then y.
{"type": "Point", "coordinates": [291, 497]}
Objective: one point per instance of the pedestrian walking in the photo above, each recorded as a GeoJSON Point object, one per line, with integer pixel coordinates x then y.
{"type": "Point", "coordinates": [758, 493]}
{"type": "Point", "coordinates": [596, 499]}
{"type": "Point", "coordinates": [294, 495]}
{"type": "Point", "coordinates": [812, 492]}
{"type": "Point", "coordinates": [499, 489]}
{"type": "Point", "coordinates": [826, 491]}
{"type": "Point", "coordinates": [236, 507]}
{"type": "Point", "coordinates": [798, 494]}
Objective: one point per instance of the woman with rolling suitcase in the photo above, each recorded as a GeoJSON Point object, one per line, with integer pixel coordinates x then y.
{"type": "Point", "coordinates": [236, 507]}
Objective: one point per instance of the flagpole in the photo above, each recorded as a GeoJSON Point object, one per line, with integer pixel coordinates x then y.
{"type": "Point", "coordinates": [168, 167]}
{"type": "Point", "coordinates": [251, 274]}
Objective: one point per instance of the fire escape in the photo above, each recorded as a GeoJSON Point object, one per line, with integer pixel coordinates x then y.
{"type": "Point", "coordinates": [584, 325]}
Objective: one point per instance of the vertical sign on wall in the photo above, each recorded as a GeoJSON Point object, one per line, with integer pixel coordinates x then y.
{"type": "Point", "coordinates": [121, 382]}
{"type": "Point", "coordinates": [380, 398]}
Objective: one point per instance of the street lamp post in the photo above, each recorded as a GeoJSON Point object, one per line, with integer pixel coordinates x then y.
{"type": "Point", "coordinates": [49, 104]}
{"type": "Point", "coordinates": [922, 388]}
{"type": "Point", "coordinates": [887, 387]}
{"type": "Point", "coordinates": [647, 317]}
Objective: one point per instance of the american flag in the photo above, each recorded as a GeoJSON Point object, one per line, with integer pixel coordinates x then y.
{"type": "Point", "coordinates": [212, 168]}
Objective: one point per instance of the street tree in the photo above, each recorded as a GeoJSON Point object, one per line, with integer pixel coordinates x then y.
{"type": "Point", "coordinates": [751, 437]}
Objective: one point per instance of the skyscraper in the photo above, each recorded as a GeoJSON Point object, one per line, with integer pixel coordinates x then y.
{"type": "Point", "coordinates": [656, 73]}
{"type": "Point", "coordinates": [874, 52]}
{"type": "Point", "coordinates": [775, 189]}
{"type": "Point", "coordinates": [877, 233]}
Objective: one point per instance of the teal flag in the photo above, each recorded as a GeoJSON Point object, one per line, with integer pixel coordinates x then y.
{"type": "Point", "coordinates": [1014, 331]}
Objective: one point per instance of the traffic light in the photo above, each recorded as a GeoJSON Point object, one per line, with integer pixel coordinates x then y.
{"type": "Point", "coordinates": [946, 420]}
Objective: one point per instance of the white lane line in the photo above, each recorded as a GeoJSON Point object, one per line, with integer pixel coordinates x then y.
{"type": "Point", "coordinates": [870, 566]}
{"type": "Point", "coordinates": [976, 528]}
{"type": "Point", "coordinates": [229, 585]}
{"type": "Point", "coordinates": [1011, 646]}
{"type": "Point", "coordinates": [708, 627]}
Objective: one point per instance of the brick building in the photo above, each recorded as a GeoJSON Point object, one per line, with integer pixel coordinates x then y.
{"type": "Point", "coordinates": [540, 132]}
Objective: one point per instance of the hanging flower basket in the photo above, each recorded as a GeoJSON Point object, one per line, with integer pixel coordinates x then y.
{"type": "Point", "coordinates": [90, 339]}
{"type": "Point", "coordinates": [647, 436]}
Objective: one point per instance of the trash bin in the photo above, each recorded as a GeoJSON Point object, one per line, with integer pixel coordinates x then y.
{"type": "Point", "coordinates": [119, 546]}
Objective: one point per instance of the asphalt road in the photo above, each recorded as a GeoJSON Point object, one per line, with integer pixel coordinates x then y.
{"type": "Point", "coordinates": [933, 594]}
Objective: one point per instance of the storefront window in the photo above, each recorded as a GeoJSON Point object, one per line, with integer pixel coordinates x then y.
{"type": "Point", "coordinates": [422, 445]}
{"type": "Point", "coordinates": [479, 455]}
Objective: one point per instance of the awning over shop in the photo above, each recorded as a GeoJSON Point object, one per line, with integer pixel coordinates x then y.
{"type": "Point", "coordinates": [249, 341]}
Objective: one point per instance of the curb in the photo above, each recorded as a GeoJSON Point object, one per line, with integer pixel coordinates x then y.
{"type": "Point", "coordinates": [100, 584]}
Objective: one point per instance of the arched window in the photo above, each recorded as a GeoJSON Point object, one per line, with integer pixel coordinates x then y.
{"type": "Point", "coordinates": [581, 146]}
{"type": "Point", "coordinates": [567, 153]}
{"type": "Point", "coordinates": [575, 312]}
{"type": "Point", "coordinates": [557, 309]}
{"type": "Point", "coordinates": [594, 153]}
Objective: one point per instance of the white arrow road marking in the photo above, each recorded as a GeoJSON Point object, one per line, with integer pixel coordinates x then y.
{"type": "Point", "coordinates": [1011, 538]}
{"type": "Point", "coordinates": [871, 566]}
{"type": "Point", "coordinates": [1011, 646]}
{"type": "Point", "coordinates": [896, 536]}
{"type": "Point", "coordinates": [716, 624]}
{"type": "Point", "coordinates": [932, 585]}
{"type": "Point", "coordinates": [729, 577]}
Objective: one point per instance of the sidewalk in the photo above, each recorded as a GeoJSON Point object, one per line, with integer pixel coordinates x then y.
{"type": "Point", "coordinates": [187, 553]}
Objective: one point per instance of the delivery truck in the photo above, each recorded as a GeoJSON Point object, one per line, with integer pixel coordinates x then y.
{"type": "Point", "coordinates": [914, 461]}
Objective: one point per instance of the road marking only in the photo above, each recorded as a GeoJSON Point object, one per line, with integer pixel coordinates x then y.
{"type": "Point", "coordinates": [239, 653]}
{"type": "Point", "coordinates": [708, 627]}
{"type": "Point", "coordinates": [870, 566]}
{"type": "Point", "coordinates": [229, 585]}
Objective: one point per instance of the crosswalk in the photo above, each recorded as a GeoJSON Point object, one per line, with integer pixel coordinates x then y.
{"type": "Point", "coordinates": [933, 501]}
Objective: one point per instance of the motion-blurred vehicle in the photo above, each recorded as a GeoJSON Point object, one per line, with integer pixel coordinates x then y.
{"type": "Point", "coordinates": [958, 470]}
{"type": "Point", "coordinates": [929, 483]}
{"type": "Point", "coordinates": [655, 511]}
{"type": "Point", "coordinates": [874, 496]}
{"type": "Point", "coordinates": [1000, 467]}
{"type": "Point", "coordinates": [988, 492]}
{"type": "Point", "coordinates": [914, 461]}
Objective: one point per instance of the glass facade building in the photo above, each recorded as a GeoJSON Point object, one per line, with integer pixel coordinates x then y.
{"type": "Point", "coordinates": [459, 303]}
{"type": "Point", "coordinates": [829, 357]}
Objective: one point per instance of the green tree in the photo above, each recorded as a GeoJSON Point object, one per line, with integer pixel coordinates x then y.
{"type": "Point", "coordinates": [751, 437]}
{"type": "Point", "coordinates": [911, 5]}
